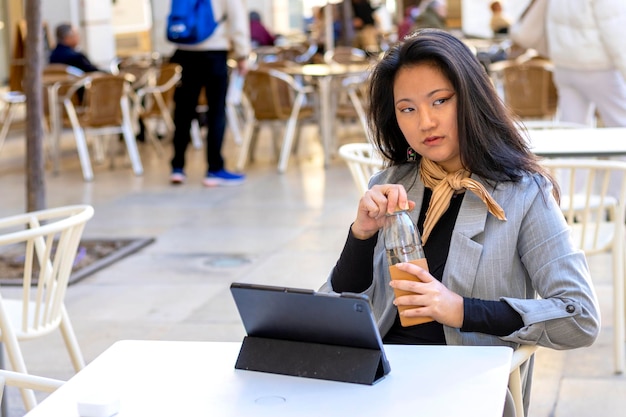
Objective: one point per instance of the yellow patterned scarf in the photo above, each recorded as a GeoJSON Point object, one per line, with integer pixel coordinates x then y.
{"type": "Point", "coordinates": [443, 185]}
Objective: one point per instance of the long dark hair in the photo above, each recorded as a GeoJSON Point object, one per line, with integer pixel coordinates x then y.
{"type": "Point", "coordinates": [490, 143]}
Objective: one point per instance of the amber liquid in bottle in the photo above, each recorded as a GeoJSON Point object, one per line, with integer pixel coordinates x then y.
{"type": "Point", "coordinates": [403, 244]}
{"type": "Point", "coordinates": [397, 274]}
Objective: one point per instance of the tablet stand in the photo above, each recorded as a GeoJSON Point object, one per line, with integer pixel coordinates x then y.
{"type": "Point", "coordinates": [311, 360]}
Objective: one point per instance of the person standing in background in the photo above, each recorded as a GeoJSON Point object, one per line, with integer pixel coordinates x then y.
{"type": "Point", "coordinates": [404, 28]}
{"type": "Point", "coordinates": [65, 51]}
{"type": "Point", "coordinates": [364, 26]}
{"type": "Point", "coordinates": [499, 23]}
{"type": "Point", "coordinates": [586, 45]}
{"type": "Point", "coordinates": [205, 65]}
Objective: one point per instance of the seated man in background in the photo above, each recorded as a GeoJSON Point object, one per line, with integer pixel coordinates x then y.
{"type": "Point", "coordinates": [65, 51]}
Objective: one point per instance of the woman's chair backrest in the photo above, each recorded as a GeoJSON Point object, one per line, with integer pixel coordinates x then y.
{"type": "Point", "coordinates": [594, 205]}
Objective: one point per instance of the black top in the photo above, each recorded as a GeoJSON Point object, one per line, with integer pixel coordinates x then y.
{"type": "Point", "coordinates": [63, 54]}
{"type": "Point", "coordinates": [486, 316]}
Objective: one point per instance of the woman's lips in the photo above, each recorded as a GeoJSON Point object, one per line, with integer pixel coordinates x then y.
{"type": "Point", "coordinates": [432, 139]}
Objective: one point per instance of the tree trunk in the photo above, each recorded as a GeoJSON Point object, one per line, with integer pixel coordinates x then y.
{"type": "Point", "coordinates": [35, 169]}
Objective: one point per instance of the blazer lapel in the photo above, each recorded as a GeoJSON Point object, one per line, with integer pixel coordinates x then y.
{"type": "Point", "coordinates": [466, 245]}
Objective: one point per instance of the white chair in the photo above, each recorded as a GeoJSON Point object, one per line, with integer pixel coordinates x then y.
{"type": "Point", "coordinates": [11, 100]}
{"type": "Point", "coordinates": [235, 113]}
{"type": "Point", "coordinates": [594, 204]}
{"type": "Point", "coordinates": [520, 357]}
{"type": "Point", "coordinates": [48, 242]}
{"type": "Point", "coordinates": [363, 161]}
{"type": "Point", "coordinates": [355, 89]}
{"type": "Point", "coordinates": [106, 111]}
{"type": "Point", "coordinates": [26, 381]}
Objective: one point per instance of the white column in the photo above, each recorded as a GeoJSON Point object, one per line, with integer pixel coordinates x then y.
{"type": "Point", "coordinates": [98, 40]}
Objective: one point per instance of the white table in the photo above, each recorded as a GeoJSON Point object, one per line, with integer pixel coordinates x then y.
{"type": "Point", "coordinates": [578, 142]}
{"type": "Point", "coordinates": [160, 378]}
{"type": "Point", "coordinates": [324, 74]}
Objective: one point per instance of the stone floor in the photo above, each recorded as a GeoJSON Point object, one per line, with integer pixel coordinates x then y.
{"type": "Point", "coordinates": [275, 229]}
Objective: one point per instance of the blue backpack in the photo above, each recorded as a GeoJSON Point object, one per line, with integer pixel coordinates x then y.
{"type": "Point", "coordinates": [191, 21]}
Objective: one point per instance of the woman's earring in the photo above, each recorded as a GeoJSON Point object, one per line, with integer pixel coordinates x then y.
{"type": "Point", "coordinates": [411, 155]}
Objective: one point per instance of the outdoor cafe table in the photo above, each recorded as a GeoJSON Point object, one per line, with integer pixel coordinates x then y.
{"type": "Point", "coordinates": [323, 74]}
{"type": "Point", "coordinates": [171, 378]}
{"type": "Point", "coordinates": [578, 142]}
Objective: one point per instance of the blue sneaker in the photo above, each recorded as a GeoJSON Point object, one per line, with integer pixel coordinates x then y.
{"type": "Point", "coordinates": [222, 178]}
{"type": "Point", "coordinates": [177, 176]}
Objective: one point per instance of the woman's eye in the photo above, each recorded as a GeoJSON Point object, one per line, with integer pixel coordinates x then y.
{"type": "Point", "coordinates": [406, 110]}
{"type": "Point", "coordinates": [440, 101]}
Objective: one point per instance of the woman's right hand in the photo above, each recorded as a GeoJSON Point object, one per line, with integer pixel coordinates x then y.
{"type": "Point", "coordinates": [375, 204]}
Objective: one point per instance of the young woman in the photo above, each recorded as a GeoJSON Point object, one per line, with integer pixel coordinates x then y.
{"type": "Point", "coordinates": [502, 268]}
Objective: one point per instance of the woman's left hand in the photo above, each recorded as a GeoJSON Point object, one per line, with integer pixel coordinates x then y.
{"type": "Point", "coordinates": [431, 298]}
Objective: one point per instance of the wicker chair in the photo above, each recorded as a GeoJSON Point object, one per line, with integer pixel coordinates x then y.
{"type": "Point", "coordinates": [527, 86]}
{"type": "Point", "coordinates": [155, 100]}
{"type": "Point", "coordinates": [58, 79]}
{"type": "Point", "coordinates": [273, 96]}
{"type": "Point", "coordinates": [106, 107]}
{"type": "Point", "coordinates": [140, 67]}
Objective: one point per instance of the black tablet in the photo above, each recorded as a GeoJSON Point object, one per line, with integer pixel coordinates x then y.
{"type": "Point", "coordinates": [310, 317]}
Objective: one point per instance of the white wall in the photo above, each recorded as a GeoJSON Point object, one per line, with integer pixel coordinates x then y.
{"type": "Point", "coordinates": [130, 16]}
{"type": "Point", "coordinates": [98, 37]}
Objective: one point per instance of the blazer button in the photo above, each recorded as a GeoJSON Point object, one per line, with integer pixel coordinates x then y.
{"type": "Point", "coordinates": [570, 308]}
